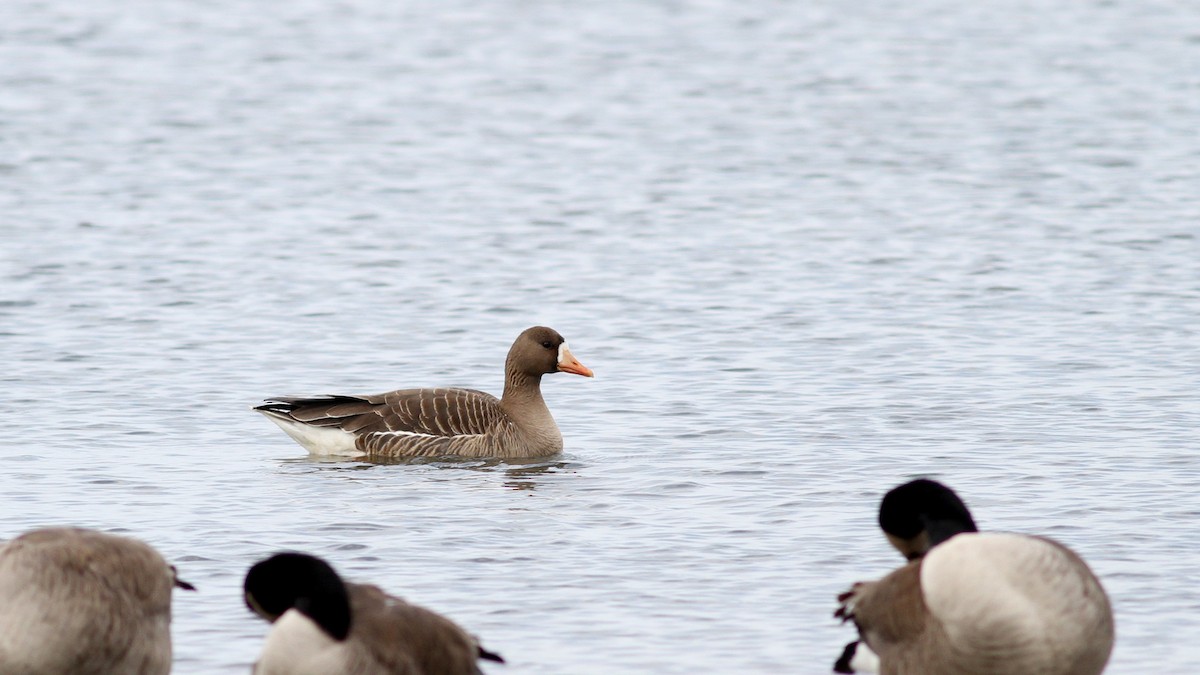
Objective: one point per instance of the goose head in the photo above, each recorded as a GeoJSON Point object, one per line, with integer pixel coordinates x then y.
{"type": "Point", "coordinates": [540, 351]}
{"type": "Point", "coordinates": [302, 582]}
{"type": "Point", "coordinates": [921, 514]}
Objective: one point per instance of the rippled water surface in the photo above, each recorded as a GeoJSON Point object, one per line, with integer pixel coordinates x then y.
{"type": "Point", "coordinates": [810, 251]}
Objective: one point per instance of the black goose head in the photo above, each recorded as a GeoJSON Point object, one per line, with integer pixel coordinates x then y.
{"type": "Point", "coordinates": [921, 514]}
{"type": "Point", "coordinates": [303, 582]}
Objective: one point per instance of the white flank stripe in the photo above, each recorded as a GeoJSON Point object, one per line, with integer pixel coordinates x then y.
{"type": "Point", "coordinates": [421, 435]}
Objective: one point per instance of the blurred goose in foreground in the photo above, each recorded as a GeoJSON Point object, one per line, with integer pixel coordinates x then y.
{"type": "Point", "coordinates": [433, 422]}
{"type": "Point", "coordinates": [324, 626]}
{"type": "Point", "coordinates": [86, 603]}
{"type": "Point", "coordinates": [996, 604]}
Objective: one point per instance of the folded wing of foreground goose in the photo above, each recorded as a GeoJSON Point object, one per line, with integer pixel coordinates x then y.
{"type": "Point", "coordinates": [434, 422]}
{"type": "Point", "coordinates": [84, 602]}
{"type": "Point", "coordinates": [970, 602]}
{"type": "Point", "coordinates": [322, 625]}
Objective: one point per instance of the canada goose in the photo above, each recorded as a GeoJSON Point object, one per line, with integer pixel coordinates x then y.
{"type": "Point", "coordinates": [86, 603]}
{"type": "Point", "coordinates": [432, 422]}
{"type": "Point", "coordinates": [325, 626]}
{"type": "Point", "coordinates": [971, 603]}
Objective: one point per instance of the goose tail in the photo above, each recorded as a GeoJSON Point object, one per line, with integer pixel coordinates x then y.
{"type": "Point", "coordinates": [857, 657]}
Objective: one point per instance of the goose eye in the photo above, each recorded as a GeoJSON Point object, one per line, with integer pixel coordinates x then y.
{"type": "Point", "coordinates": [547, 344]}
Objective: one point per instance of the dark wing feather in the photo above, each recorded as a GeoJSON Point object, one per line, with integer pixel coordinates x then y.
{"type": "Point", "coordinates": [441, 412]}
{"type": "Point", "coordinates": [436, 412]}
{"type": "Point", "coordinates": [486, 655]}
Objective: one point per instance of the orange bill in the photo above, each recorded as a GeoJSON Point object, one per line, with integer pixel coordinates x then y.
{"type": "Point", "coordinates": [567, 363]}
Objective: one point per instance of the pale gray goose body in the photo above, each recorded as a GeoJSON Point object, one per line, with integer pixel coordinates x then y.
{"type": "Point", "coordinates": [322, 625]}
{"type": "Point", "coordinates": [986, 604]}
{"type": "Point", "coordinates": [436, 422]}
{"type": "Point", "coordinates": [84, 602]}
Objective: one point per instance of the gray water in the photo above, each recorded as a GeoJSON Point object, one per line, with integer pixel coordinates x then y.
{"type": "Point", "coordinates": [810, 249]}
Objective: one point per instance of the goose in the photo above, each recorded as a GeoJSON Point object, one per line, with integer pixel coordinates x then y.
{"type": "Point", "coordinates": [322, 625]}
{"type": "Point", "coordinates": [84, 602]}
{"type": "Point", "coordinates": [437, 422]}
{"type": "Point", "coordinates": [971, 602]}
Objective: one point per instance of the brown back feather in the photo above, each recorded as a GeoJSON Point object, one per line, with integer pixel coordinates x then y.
{"type": "Point", "coordinates": [892, 619]}
{"type": "Point", "coordinates": [437, 412]}
{"type": "Point", "coordinates": [396, 633]}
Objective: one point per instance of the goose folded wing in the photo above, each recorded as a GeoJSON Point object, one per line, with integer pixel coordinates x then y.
{"type": "Point", "coordinates": [397, 633]}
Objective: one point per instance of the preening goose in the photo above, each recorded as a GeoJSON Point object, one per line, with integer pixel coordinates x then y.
{"type": "Point", "coordinates": [322, 625]}
{"type": "Point", "coordinates": [972, 603]}
{"type": "Point", "coordinates": [434, 422]}
{"type": "Point", "coordinates": [84, 602]}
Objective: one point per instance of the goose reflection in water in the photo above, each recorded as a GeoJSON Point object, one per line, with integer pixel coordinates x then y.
{"type": "Point", "coordinates": [520, 475]}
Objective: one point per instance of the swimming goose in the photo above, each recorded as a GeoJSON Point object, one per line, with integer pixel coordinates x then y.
{"type": "Point", "coordinates": [84, 602]}
{"type": "Point", "coordinates": [432, 422]}
{"type": "Point", "coordinates": [322, 625]}
{"type": "Point", "coordinates": [993, 603]}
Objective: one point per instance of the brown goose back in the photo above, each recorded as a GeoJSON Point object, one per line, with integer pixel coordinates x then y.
{"type": "Point", "coordinates": [395, 632]}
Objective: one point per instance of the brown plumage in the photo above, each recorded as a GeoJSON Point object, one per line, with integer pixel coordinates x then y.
{"type": "Point", "coordinates": [84, 602]}
{"type": "Point", "coordinates": [431, 642]}
{"type": "Point", "coordinates": [433, 422]}
{"type": "Point", "coordinates": [983, 604]}
{"type": "Point", "coordinates": [323, 625]}
{"type": "Point", "coordinates": [891, 610]}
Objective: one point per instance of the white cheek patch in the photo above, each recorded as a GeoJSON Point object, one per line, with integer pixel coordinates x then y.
{"type": "Point", "coordinates": [562, 351]}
